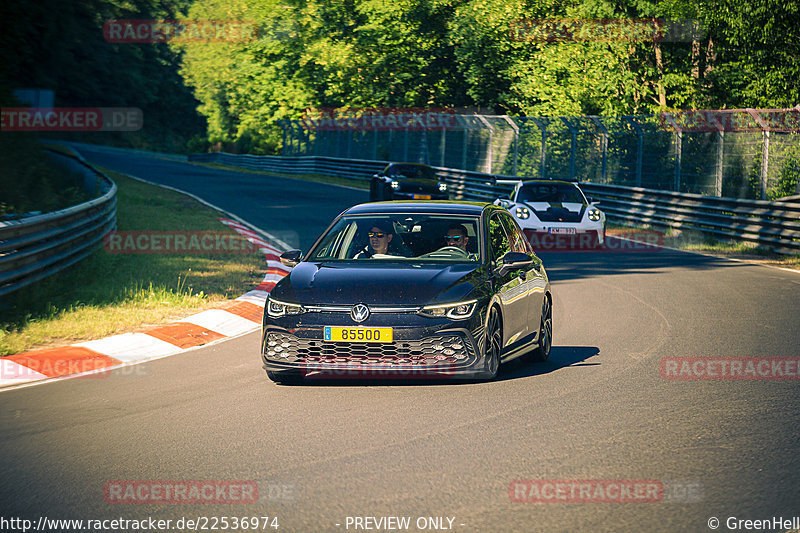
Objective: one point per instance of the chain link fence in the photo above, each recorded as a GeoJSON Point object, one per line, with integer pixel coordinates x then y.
{"type": "Point", "coordinates": [745, 153]}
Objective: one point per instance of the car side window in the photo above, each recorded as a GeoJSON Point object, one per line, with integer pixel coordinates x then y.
{"type": "Point", "coordinates": [517, 238]}
{"type": "Point", "coordinates": [498, 240]}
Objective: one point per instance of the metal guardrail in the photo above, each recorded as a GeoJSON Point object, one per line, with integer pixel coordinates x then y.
{"type": "Point", "coordinates": [772, 224]}
{"type": "Point", "coordinates": [35, 247]}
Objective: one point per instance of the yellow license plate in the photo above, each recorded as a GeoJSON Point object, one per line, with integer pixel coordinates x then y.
{"type": "Point", "coordinates": [422, 197]}
{"type": "Point", "coordinates": [357, 334]}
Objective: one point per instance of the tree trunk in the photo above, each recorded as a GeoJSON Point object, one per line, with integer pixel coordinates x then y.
{"type": "Point", "coordinates": [662, 95]}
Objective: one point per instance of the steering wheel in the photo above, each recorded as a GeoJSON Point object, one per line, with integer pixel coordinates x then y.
{"type": "Point", "coordinates": [366, 250]}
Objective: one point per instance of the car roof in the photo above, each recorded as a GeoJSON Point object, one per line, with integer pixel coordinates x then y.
{"type": "Point", "coordinates": [564, 182]}
{"type": "Point", "coordinates": [434, 206]}
{"type": "Point", "coordinates": [398, 163]}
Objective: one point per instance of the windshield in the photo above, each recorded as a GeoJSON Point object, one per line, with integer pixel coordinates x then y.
{"type": "Point", "coordinates": [550, 192]}
{"type": "Point", "coordinates": [413, 172]}
{"type": "Point", "coordinates": [417, 237]}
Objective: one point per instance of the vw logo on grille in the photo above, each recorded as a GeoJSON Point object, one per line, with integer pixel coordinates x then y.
{"type": "Point", "coordinates": [359, 313]}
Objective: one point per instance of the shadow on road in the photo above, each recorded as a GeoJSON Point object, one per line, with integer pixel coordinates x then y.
{"type": "Point", "coordinates": [560, 357]}
{"type": "Point", "coordinates": [572, 265]}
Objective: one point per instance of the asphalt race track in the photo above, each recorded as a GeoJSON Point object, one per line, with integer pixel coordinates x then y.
{"type": "Point", "coordinates": [320, 453]}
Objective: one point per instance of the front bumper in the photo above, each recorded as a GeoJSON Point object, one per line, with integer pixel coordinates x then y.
{"type": "Point", "coordinates": [566, 236]}
{"type": "Point", "coordinates": [441, 350]}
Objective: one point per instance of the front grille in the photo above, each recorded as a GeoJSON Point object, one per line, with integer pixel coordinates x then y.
{"type": "Point", "coordinates": [430, 351]}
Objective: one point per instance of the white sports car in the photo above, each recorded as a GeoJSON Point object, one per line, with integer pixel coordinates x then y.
{"type": "Point", "coordinates": [549, 209]}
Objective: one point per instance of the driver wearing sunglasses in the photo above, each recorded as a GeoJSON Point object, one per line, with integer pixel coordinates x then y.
{"type": "Point", "coordinates": [380, 236]}
{"type": "Point", "coordinates": [379, 240]}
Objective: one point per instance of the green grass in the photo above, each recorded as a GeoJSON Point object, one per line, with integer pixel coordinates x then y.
{"type": "Point", "coordinates": [110, 293]}
{"type": "Point", "coordinates": [320, 178]}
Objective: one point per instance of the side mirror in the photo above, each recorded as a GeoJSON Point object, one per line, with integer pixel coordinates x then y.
{"type": "Point", "coordinates": [590, 200]}
{"type": "Point", "coordinates": [291, 258]}
{"type": "Point", "coordinates": [513, 261]}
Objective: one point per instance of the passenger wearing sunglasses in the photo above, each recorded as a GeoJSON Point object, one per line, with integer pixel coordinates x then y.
{"type": "Point", "coordinates": [456, 236]}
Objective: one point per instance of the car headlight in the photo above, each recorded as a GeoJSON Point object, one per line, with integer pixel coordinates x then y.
{"type": "Point", "coordinates": [277, 309]}
{"type": "Point", "coordinates": [456, 311]}
{"type": "Point", "coordinates": [522, 212]}
{"type": "Point", "coordinates": [442, 186]}
{"type": "Point", "coordinates": [594, 214]}
{"type": "Point", "coordinates": [395, 184]}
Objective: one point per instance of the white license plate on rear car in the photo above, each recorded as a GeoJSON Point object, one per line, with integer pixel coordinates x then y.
{"type": "Point", "coordinates": [565, 231]}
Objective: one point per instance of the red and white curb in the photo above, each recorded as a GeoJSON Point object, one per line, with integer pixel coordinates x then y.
{"type": "Point", "coordinates": [230, 319]}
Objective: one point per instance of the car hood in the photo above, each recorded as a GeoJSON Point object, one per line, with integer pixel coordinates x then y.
{"type": "Point", "coordinates": [557, 212]}
{"type": "Point", "coordinates": [417, 185]}
{"type": "Point", "coordinates": [377, 284]}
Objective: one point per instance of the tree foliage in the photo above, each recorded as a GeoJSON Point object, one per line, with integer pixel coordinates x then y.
{"type": "Point", "coordinates": [401, 54]}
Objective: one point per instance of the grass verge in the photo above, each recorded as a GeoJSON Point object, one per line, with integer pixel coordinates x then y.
{"type": "Point", "coordinates": [110, 293]}
{"type": "Point", "coordinates": [696, 241]}
{"type": "Point", "coordinates": [320, 178]}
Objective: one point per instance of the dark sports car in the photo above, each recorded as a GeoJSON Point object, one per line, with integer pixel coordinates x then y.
{"type": "Point", "coordinates": [406, 290]}
{"type": "Point", "coordinates": [407, 181]}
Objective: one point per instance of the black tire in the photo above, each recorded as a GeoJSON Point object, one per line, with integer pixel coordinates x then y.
{"type": "Point", "coordinates": [285, 378]}
{"type": "Point", "coordinates": [542, 352]}
{"type": "Point", "coordinates": [494, 344]}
